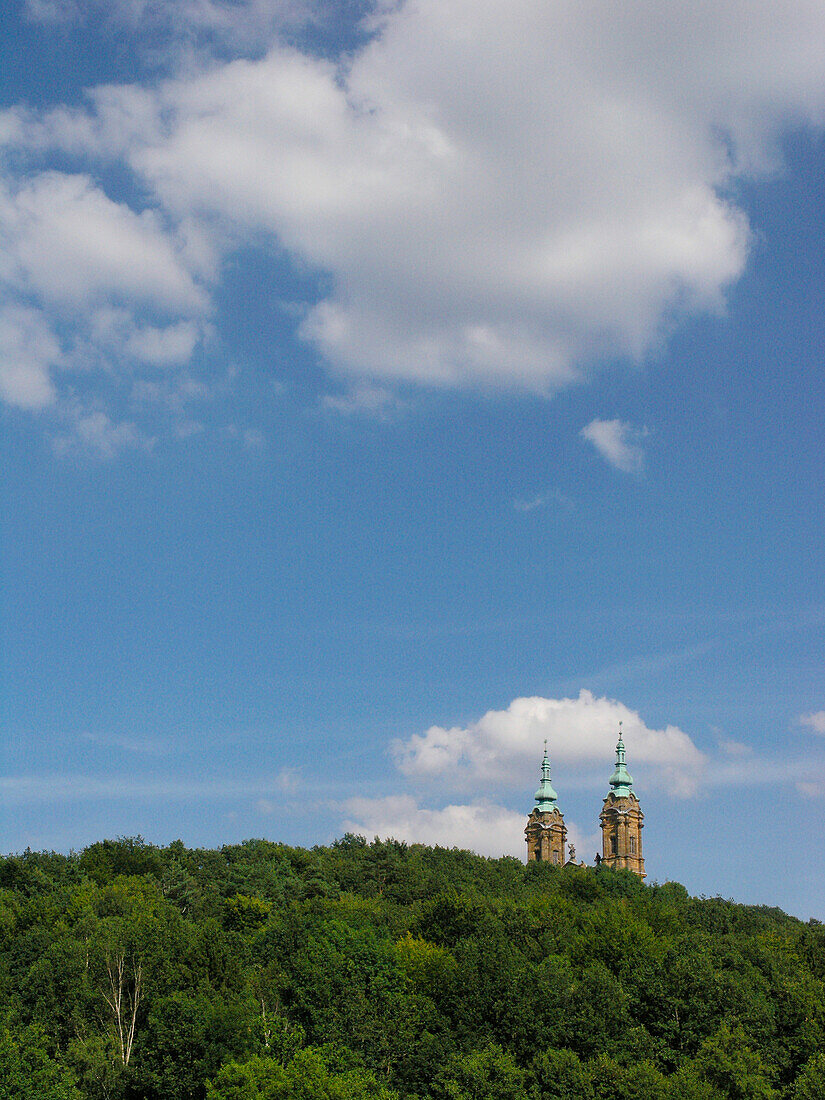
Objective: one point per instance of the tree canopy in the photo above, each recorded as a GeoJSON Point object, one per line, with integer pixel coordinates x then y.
{"type": "Point", "coordinates": [386, 971]}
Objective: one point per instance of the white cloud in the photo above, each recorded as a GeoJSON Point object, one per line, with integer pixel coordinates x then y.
{"type": "Point", "coordinates": [498, 191]}
{"type": "Point", "coordinates": [121, 288]}
{"type": "Point", "coordinates": [28, 351]}
{"type": "Point", "coordinates": [173, 344]}
{"type": "Point", "coordinates": [486, 828]}
{"type": "Point", "coordinates": [73, 246]}
{"type": "Point", "coordinates": [814, 721]}
{"type": "Point", "coordinates": [618, 443]}
{"type": "Point", "coordinates": [500, 194]}
{"type": "Point", "coordinates": [504, 746]}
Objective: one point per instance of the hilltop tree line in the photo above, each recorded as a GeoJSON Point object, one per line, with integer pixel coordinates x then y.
{"type": "Point", "coordinates": [390, 972]}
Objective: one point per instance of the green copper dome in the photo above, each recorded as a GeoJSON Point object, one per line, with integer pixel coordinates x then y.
{"type": "Point", "coordinates": [621, 781]}
{"type": "Point", "coordinates": [546, 797]}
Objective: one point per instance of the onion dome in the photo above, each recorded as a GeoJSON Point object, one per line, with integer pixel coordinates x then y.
{"type": "Point", "coordinates": [621, 781]}
{"type": "Point", "coordinates": [546, 797]}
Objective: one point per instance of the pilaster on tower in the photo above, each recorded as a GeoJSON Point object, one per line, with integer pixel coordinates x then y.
{"type": "Point", "coordinates": [546, 834]}
{"type": "Point", "coordinates": [622, 820]}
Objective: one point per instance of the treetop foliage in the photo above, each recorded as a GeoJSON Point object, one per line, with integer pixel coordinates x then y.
{"type": "Point", "coordinates": [387, 971]}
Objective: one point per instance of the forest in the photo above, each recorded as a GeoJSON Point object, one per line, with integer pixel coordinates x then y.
{"type": "Point", "coordinates": [386, 971]}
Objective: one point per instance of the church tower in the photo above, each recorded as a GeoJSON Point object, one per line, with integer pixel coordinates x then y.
{"type": "Point", "coordinates": [622, 820]}
{"type": "Point", "coordinates": [545, 832]}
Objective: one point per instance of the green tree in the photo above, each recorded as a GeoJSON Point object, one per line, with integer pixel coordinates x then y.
{"type": "Point", "coordinates": [727, 1061]}
{"type": "Point", "coordinates": [306, 1077]}
{"type": "Point", "coordinates": [559, 1075]}
{"type": "Point", "coordinates": [810, 1084]}
{"type": "Point", "coordinates": [185, 1040]}
{"type": "Point", "coordinates": [640, 1081]}
{"type": "Point", "coordinates": [29, 1070]}
{"type": "Point", "coordinates": [489, 1073]}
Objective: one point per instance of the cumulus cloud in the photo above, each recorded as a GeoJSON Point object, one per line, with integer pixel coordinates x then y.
{"type": "Point", "coordinates": [618, 443]}
{"type": "Point", "coordinates": [499, 195]}
{"type": "Point", "coordinates": [814, 721]}
{"type": "Point", "coordinates": [90, 284]}
{"type": "Point", "coordinates": [70, 244]}
{"type": "Point", "coordinates": [504, 745]}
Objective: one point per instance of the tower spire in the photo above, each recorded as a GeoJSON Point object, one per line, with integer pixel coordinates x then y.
{"type": "Point", "coordinates": [546, 797]}
{"type": "Point", "coordinates": [622, 820]}
{"type": "Point", "coordinates": [621, 781]}
{"type": "Point", "coordinates": [546, 834]}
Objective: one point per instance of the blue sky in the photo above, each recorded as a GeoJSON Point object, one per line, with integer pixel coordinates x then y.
{"type": "Point", "coordinates": [386, 388]}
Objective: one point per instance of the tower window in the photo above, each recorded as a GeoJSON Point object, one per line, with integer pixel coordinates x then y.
{"type": "Point", "coordinates": [614, 846]}
{"type": "Point", "coordinates": [633, 845]}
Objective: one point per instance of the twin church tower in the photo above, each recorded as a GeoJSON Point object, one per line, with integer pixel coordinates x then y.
{"type": "Point", "coordinates": [621, 820]}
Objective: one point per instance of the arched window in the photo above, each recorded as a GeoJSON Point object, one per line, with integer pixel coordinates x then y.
{"type": "Point", "coordinates": [633, 845]}
{"type": "Point", "coordinates": [614, 845]}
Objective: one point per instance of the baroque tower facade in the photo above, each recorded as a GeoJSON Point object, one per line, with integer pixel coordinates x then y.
{"type": "Point", "coordinates": [546, 833]}
{"type": "Point", "coordinates": [622, 820]}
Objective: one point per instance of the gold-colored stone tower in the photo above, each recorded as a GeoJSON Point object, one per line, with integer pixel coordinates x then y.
{"type": "Point", "coordinates": [546, 833]}
{"type": "Point", "coordinates": [622, 820]}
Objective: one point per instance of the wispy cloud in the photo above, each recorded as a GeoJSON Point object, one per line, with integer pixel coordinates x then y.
{"type": "Point", "coordinates": [540, 500]}
{"type": "Point", "coordinates": [530, 504]}
{"type": "Point", "coordinates": [206, 23]}
{"type": "Point", "coordinates": [619, 443]}
{"type": "Point", "coordinates": [141, 746]}
{"type": "Point", "coordinates": [734, 748]}
{"type": "Point", "coordinates": [364, 400]}
{"type": "Point", "coordinates": [809, 788]}
{"type": "Point", "coordinates": [752, 770]}
{"type": "Point", "coordinates": [18, 790]}
{"type": "Point", "coordinates": [91, 432]}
